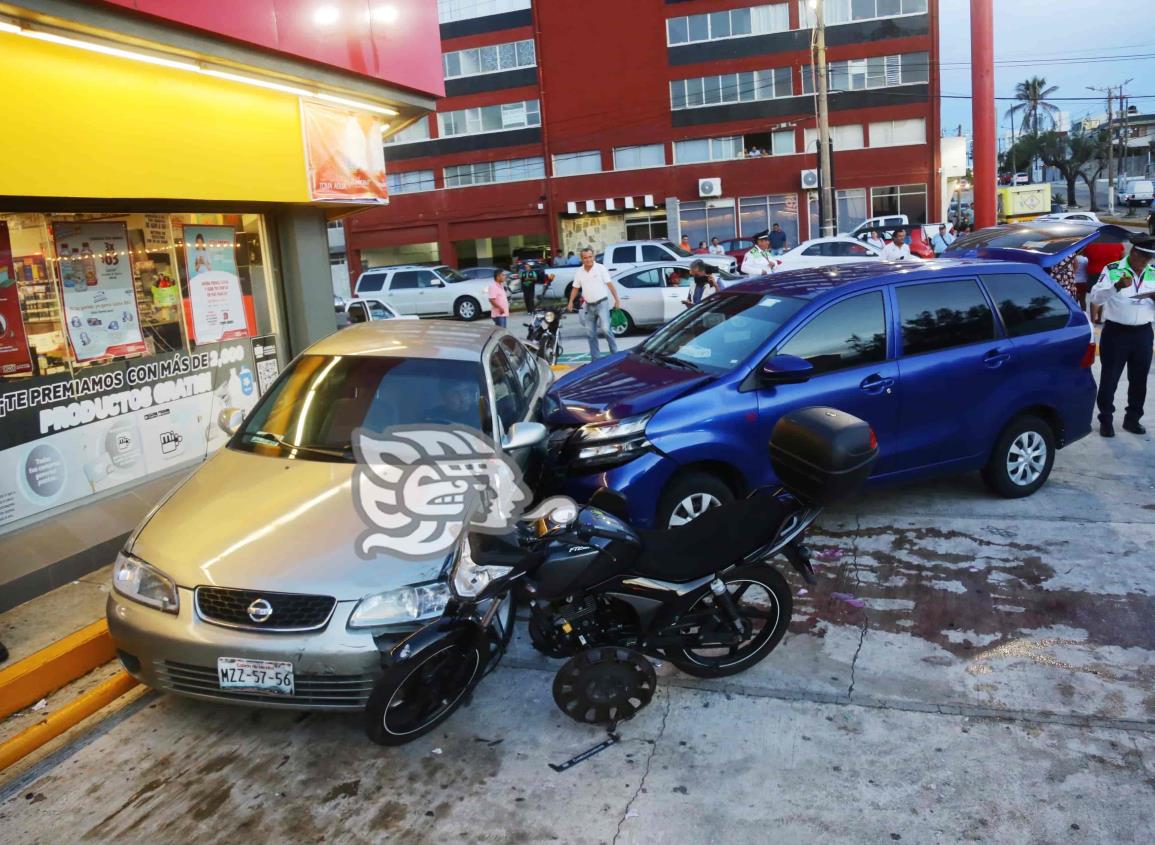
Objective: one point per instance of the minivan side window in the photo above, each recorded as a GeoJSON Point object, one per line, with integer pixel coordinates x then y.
{"type": "Point", "coordinates": [1026, 305]}
{"type": "Point", "coordinates": [623, 255]}
{"type": "Point", "coordinates": [371, 282]}
{"type": "Point", "coordinates": [404, 280]}
{"type": "Point", "coordinates": [941, 315]}
{"type": "Point", "coordinates": [653, 252]}
{"type": "Point", "coordinates": [847, 334]}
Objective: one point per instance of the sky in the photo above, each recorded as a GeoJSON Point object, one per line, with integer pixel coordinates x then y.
{"type": "Point", "coordinates": [1059, 40]}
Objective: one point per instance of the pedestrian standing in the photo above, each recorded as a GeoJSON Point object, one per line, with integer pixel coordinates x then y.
{"type": "Point", "coordinates": [1125, 291]}
{"type": "Point", "coordinates": [777, 240]}
{"type": "Point", "coordinates": [498, 299]}
{"type": "Point", "coordinates": [685, 243]}
{"type": "Point", "coordinates": [572, 260]}
{"type": "Point", "coordinates": [716, 247]}
{"type": "Point", "coordinates": [943, 238]}
{"type": "Point", "coordinates": [758, 260]}
{"type": "Point", "coordinates": [876, 240]}
{"type": "Point", "coordinates": [1099, 255]}
{"type": "Point", "coordinates": [702, 277]}
{"type": "Point", "coordinates": [1081, 281]}
{"type": "Point", "coordinates": [531, 278]}
{"type": "Point", "coordinates": [592, 280]}
{"type": "Point", "coordinates": [898, 249]}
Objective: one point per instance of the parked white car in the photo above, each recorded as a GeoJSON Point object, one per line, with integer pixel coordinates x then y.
{"type": "Point", "coordinates": [819, 252]}
{"type": "Point", "coordinates": [1073, 216]}
{"type": "Point", "coordinates": [648, 298]}
{"type": "Point", "coordinates": [426, 291]}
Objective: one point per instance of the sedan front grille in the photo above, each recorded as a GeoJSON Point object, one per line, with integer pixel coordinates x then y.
{"type": "Point", "coordinates": [263, 611]}
{"type": "Point", "coordinates": [313, 691]}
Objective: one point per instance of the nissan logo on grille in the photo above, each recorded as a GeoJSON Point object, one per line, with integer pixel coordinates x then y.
{"type": "Point", "coordinates": [260, 610]}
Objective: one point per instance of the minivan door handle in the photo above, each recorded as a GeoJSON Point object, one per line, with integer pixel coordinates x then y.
{"type": "Point", "coordinates": [875, 384]}
{"type": "Point", "coordinates": [995, 358]}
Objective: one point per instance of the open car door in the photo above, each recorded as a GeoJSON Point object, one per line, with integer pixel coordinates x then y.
{"type": "Point", "coordinates": [1043, 244]}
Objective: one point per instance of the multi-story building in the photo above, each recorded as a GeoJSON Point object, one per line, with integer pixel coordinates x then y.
{"type": "Point", "coordinates": [567, 124]}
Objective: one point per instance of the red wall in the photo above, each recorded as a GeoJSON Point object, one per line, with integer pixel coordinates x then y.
{"type": "Point", "coordinates": [396, 41]}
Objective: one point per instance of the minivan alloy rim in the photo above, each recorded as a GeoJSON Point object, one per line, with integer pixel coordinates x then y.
{"type": "Point", "coordinates": [1027, 458]}
{"type": "Point", "coordinates": [692, 507]}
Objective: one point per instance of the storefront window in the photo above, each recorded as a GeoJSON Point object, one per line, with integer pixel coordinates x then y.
{"type": "Point", "coordinates": [703, 220]}
{"type": "Point", "coordinates": [646, 226]}
{"type": "Point", "coordinates": [758, 214]}
{"type": "Point", "coordinates": [122, 336]}
{"type": "Point", "coordinates": [899, 199]}
{"type": "Point", "coordinates": [850, 210]}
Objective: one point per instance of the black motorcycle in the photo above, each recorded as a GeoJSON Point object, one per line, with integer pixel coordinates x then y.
{"type": "Point", "coordinates": [544, 333]}
{"type": "Point", "coordinates": [701, 595]}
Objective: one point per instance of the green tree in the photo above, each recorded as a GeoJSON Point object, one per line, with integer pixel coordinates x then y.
{"type": "Point", "coordinates": [1069, 154]}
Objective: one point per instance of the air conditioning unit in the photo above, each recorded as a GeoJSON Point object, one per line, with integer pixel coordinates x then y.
{"type": "Point", "coordinates": [810, 179]}
{"type": "Point", "coordinates": [710, 187]}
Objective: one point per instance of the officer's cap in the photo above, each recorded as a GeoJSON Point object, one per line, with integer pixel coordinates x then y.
{"type": "Point", "coordinates": [763, 235]}
{"type": "Point", "coordinates": [1143, 243]}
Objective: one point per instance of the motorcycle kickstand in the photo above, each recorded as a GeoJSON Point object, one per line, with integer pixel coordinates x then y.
{"type": "Point", "coordinates": [799, 557]}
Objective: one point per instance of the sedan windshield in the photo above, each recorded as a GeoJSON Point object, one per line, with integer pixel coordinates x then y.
{"type": "Point", "coordinates": [720, 332]}
{"type": "Point", "coordinates": [312, 411]}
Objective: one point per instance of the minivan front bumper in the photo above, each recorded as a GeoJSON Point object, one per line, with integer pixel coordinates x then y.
{"type": "Point", "coordinates": [640, 480]}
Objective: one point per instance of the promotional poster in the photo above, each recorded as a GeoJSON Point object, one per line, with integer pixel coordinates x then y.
{"type": "Point", "coordinates": [218, 306]}
{"type": "Point", "coordinates": [14, 355]}
{"type": "Point", "coordinates": [344, 154]}
{"type": "Point", "coordinates": [97, 290]}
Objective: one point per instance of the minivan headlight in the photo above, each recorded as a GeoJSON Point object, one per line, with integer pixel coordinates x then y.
{"type": "Point", "coordinates": [414, 603]}
{"type": "Point", "coordinates": [612, 442]}
{"type": "Point", "coordinates": [134, 579]}
{"type": "Point", "coordinates": [629, 427]}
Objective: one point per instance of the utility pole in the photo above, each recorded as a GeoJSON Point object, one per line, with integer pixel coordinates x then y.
{"type": "Point", "coordinates": [1110, 153]}
{"type": "Point", "coordinates": [826, 187]}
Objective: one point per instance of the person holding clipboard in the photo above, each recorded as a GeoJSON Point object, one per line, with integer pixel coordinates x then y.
{"type": "Point", "coordinates": [1126, 292]}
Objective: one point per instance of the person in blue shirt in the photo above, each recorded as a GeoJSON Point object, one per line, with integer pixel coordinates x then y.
{"type": "Point", "coordinates": [572, 260]}
{"type": "Point", "coordinates": [777, 240]}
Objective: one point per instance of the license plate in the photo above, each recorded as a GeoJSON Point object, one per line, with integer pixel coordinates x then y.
{"type": "Point", "coordinates": [260, 675]}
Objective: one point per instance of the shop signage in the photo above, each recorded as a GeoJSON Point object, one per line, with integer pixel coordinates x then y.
{"type": "Point", "coordinates": [14, 355]}
{"type": "Point", "coordinates": [97, 290]}
{"type": "Point", "coordinates": [63, 438]}
{"type": "Point", "coordinates": [265, 358]}
{"type": "Point", "coordinates": [217, 304]}
{"type": "Point", "coordinates": [343, 154]}
{"type": "Point", "coordinates": [156, 237]}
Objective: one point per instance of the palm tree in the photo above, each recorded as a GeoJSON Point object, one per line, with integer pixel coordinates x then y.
{"type": "Point", "coordinates": [1032, 106]}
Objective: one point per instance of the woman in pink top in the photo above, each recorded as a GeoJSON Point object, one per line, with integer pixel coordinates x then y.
{"type": "Point", "coordinates": [498, 299]}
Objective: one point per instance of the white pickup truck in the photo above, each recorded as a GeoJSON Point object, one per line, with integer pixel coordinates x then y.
{"type": "Point", "coordinates": [629, 254]}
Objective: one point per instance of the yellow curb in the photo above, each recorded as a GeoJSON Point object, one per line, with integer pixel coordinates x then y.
{"type": "Point", "coordinates": [31, 679]}
{"type": "Point", "coordinates": [561, 368]}
{"type": "Point", "coordinates": [71, 714]}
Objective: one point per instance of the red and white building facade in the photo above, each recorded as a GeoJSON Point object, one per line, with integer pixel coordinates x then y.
{"type": "Point", "coordinates": [574, 124]}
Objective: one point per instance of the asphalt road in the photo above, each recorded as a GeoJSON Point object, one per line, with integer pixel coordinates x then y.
{"type": "Point", "coordinates": [968, 669]}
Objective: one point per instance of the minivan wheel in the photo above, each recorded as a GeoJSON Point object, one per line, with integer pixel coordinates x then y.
{"type": "Point", "coordinates": [467, 308]}
{"type": "Point", "coordinates": [1022, 458]}
{"type": "Point", "coordinates": [690, 496]}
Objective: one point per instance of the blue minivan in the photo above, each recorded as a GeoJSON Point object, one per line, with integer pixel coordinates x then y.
{"type": "Point", "coordinates": [958, 365]}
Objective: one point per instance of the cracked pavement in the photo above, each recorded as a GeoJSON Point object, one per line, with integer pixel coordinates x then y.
{"type": "Point", "coordinates": [996, 685]}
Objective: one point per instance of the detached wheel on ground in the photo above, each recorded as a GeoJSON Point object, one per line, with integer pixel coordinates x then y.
{"type": "Point", "coordinates": [625, 328]}
{"type": "Point", "coordinates": [467, 308]}
{"type": "Point", "coordinates": [1022, 458]}
{"type": "Point", "coordinates": [688, 497]}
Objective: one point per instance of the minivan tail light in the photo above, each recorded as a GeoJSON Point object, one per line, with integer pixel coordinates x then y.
{"type": "Point", "coordinates": [873, 439]}
{"type": "Point", "coordinates": [1088, 356]}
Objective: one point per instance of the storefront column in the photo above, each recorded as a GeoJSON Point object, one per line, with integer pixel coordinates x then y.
{"type": "Point", "coordinates": [446, 251]}
{"type": "Point", "coordinates": [305, 277]}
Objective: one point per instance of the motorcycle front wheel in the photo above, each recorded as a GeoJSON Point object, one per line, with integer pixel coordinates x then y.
{"type": "Point", "coordinates": [763, 598]}
{"type": "Point", "coordinates": [414, 697]}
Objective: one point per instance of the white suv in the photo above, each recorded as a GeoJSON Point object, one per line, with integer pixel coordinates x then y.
{"type": "Point", "coordinates": [426, 291]}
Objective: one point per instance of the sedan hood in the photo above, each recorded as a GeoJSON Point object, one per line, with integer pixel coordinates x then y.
{"type": "Point", "coordinates": [259, 523]}
{"type": "Point", "coordinates": [616, 388]}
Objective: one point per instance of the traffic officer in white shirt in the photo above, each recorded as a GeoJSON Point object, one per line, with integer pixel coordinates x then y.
{"type": "Point", "coordinates": [1125, 290]}
{"type": "Point", "coordinates": [758, 260]}
{"type": "Point", "coordinates": [592, 280]}
{"type": "Point", "coordinates": [898, 249]}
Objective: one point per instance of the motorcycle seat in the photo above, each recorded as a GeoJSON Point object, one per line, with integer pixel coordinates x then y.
{"type": "Point", "coordinates": [713, 541]}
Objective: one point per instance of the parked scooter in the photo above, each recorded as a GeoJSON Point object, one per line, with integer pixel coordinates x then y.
{"type": "Point", "coordinates": [544, 333]}
{"type": "Point", "coordinates": [703, 596]}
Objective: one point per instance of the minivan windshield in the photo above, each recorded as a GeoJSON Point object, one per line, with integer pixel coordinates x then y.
{"type": "Point", "coordinates": [313, 409]}
{"type": "Point", "coordinates": [720, 332]}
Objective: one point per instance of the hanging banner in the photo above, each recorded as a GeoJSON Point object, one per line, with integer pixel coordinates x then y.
{"type": "Point", "coordinates": [14, 355]}
{"type": "Point", "coordinates": [344, 155]}
{"type": "Point", "coordinates": [214, 286]}
{"type": "Point", "coordinates": [97, 290]}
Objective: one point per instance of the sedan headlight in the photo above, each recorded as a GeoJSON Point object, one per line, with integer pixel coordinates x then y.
{"type": "Point", "coordinates": [470, 578]}
{"type": "Point", "coordinates": [134, 579]}
{"type": "Point", "coordinates": [414, 603]}
{"type": "Point", "coordinates": [612, 442]}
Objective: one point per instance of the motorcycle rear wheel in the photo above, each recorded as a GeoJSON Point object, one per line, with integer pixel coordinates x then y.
{"type": "Point", "coordinates": [763, 598]}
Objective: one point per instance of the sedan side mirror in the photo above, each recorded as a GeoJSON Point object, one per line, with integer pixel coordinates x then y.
{"type": "Point", "coordinates": [524, 434]}
{"type": "Point", "coordinates": [786, 369]}
{"type": "Point", "coordinates": [230, 419]}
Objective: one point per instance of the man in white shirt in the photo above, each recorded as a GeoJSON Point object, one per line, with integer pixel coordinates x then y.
{"type": "Point", "coordinates": [1125, 290]}
{"type": "Point", "coordinates": [898, 249]}
{"type": "Point", "coordinates": [593, 281]}
{"type": "Point", "coordinates": [716, 247]}
{"type": "Point", "coordinates": [758, 260]}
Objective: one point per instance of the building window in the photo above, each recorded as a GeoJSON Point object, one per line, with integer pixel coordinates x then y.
{"type": "Point", "coordinates": [459, 10]}
{"type": "Point", "coordinates": [850, 210]}
{"type": "Point", "coordinates": [571, 164]}
{"type": "Point", "coordinates": [731, 88]}
{"type": "Point", "coordinates": [897, 133]}
{"type": "Point", "coordinates": [731, 23]}
{"type": "Point", "coordinates": [418, 131]}
{"type": "Point", "coordinates": [846, 137]}
{"type": "Point", "coordinates": [410, 181]}
{"type": "Point", "coordinates": [899, 199]}
{"type": "Point", "coordinates": [708, 149]}
{"type": "Point", "coordinates": [757, 214]}
{"type": "Point", "coordinates": [646, 226]}
{"type": "Point", "coordinates": [490, 118]}
{"type": "Point", "coordinates": [703, 220]}
{"type": "Point", "coordinates": [490, 59]}
{"type": "Point", "coordinates": [631, 158]}
{"type": "Point", "coordinates": [848, 11]}
{"type": "Point", "coordinates": [486, 172]}
{"type": "Point", "coordinates": [875, 72]}
{"type": "Point", "coordinates": [783, 143]}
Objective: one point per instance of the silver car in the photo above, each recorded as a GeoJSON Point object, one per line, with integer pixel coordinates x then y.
{"type": "Point", "coordinates": [244, 585]}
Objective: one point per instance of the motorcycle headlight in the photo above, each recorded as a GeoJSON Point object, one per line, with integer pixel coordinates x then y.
{"type": "Point", "coordinates": [134, 579]}
{"type": "Point", "coordinates": [414, 603]}
{"type": "Point", "coordinates": [470, 578]}
{"type": "Point", "coordinates": [550, 316]}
